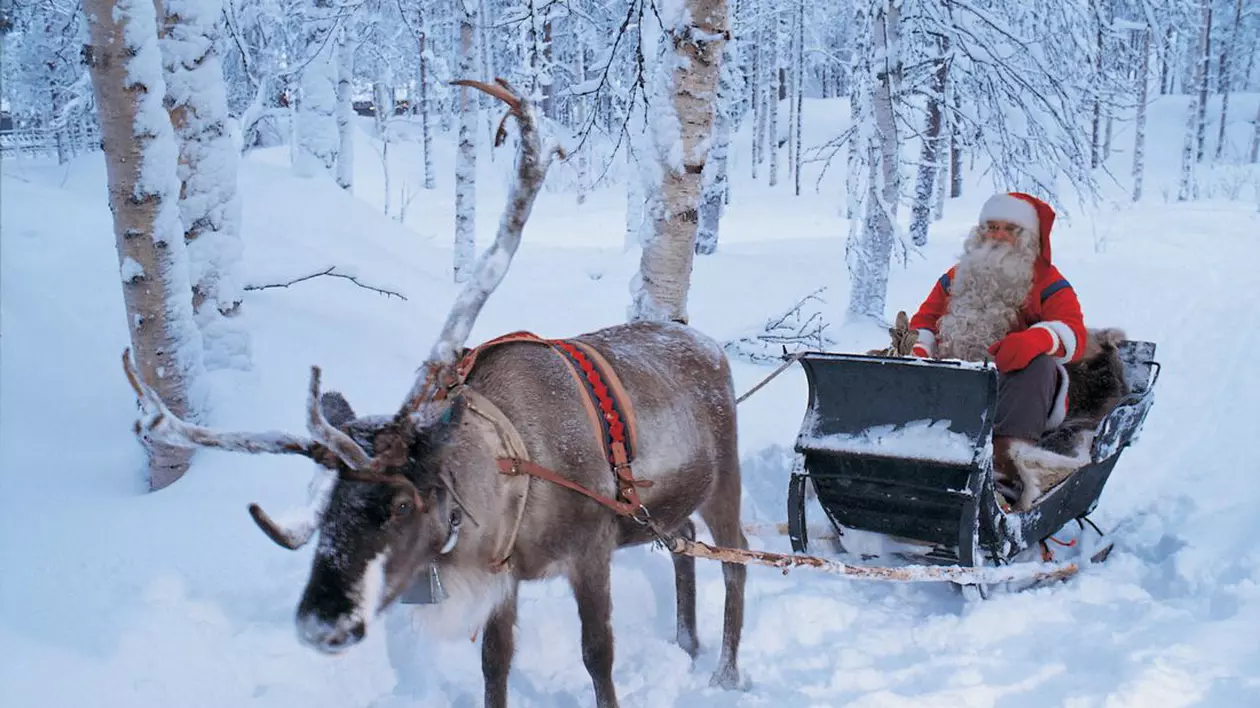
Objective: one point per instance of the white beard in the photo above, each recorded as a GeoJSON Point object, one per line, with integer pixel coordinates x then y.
{"type": "Point", "coordinates": [990, 286]}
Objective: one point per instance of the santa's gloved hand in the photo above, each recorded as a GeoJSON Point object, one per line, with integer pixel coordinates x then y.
{"type": "Point", "coordinates": [1015, 350]}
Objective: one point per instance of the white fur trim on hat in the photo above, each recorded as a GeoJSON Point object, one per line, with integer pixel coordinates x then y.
{"type": "Point", "coordinates": [1062, 334]}
{"type": "Point", "coordinates": [928, 339]}
{"type": "Point", "coordinates": [1004, 207]}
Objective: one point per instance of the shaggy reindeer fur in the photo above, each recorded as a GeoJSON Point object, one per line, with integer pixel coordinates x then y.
{"type": "Point", "coordinates": [1095, 384]}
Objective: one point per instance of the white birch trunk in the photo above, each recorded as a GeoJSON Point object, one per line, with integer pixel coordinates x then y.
{"type": "Point", "coordinates": [141, 159]}
{"type": "Point", "coordinates": [871, 254]}
{"type": "Point", "coordinates": [345, 112]}
{"type": "Point", "coordinates": [1192, 150]}
{"type": "Point", "coordinates": [209, 203]}
{"type": "Point", "coordinates": [1139, 130]}
{"type": "Point", "coordinates": [1226, 78]}
{"type": "Point", "coordinates": [422, 99]}
{"type": "Point", "coordinates": [772, 105]}
{"type": "Point", "coordinates": [1255, 140]}
{"type": "Point", "coordinates": [316, 120]}
{"type": "Point", "coordinates": [798, 83]}
{"type": "Point", "coordinates": [698, 30]}
{"type": "Point", "coordinates": [1205, 64]}
{"type": "Point", "coordinates": [466, 157]}
{"type": "Point", "coordinates": [714, 181]}
{"type": "Point", "coordinates": [930, 156]}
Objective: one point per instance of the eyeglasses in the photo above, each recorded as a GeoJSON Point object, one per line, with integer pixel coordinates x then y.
{"type": "Point", "coordinates": [1001, 230]}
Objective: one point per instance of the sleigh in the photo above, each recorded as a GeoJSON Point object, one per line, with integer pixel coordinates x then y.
{"type": "Point", "coordinates": [903, 448]}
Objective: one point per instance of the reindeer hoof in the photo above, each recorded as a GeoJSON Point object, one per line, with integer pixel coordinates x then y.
{"type": "Point", "coordinates": [726, 678]}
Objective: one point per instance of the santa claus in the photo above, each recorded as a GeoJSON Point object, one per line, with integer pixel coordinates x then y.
{"type": "Point", "coordinates": [1006, 302]}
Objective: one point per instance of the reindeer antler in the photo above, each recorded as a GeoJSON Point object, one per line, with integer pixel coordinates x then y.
{"type": "Point", "coordinates": [531, 169]}
{"type": "Point", "coordinates": [159, 424]}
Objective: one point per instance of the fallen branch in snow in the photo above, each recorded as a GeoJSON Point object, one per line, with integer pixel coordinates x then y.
{"type": "Point", "coordinates": [330, 271]}
{"type": "Point", "coordinates": [799, 328]}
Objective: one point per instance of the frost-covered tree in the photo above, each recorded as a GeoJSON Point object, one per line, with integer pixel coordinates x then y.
{"type": "Point", "coordinates": [141, 158]}
{"type": "Point", "coordinates": [315, 123]}
{"type": "Point", "coordinates": [714, 183]}
{"type": "Point", "coordinates": [871, 243]}
{"type": "Point", "coordinates": [209, 205]}
{"type": "Point", "coordinates": [683, 104]}
{"type": "Point", "coordinates": [466, 157]}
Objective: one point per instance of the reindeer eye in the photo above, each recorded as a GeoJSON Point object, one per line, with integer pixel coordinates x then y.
{"type": "Point", "coordinates": [402, 508]}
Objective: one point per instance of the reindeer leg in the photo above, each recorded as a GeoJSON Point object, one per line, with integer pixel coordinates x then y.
{"type": "Point", "coordinates": [590, 581]}
{"type": "Point", "coordinates": [685, 594]}
{"type": "Point", "coordinates": [497, 647]}
{"type": "Point", "coordinates": [721, 513]}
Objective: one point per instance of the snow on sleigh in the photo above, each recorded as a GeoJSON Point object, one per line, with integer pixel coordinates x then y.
{"type": "Point", "coordinates": [902, 447]}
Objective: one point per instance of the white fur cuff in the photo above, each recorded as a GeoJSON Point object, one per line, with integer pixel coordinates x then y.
{"type": "Point", "coordinates": [1004, 207]}
{"type": "Point", "coordinates": [1062, 334]}
{"type": "Point", "coordinates": [928, 340]}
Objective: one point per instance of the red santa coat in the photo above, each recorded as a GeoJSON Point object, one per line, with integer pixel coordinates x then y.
{"type": "Point", "coordinates": [1051, 305]}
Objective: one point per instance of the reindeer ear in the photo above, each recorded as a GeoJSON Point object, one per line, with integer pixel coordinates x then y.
{"type": "Point", "coordinates": [336, 408]}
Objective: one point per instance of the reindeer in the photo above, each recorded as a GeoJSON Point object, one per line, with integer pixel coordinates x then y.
{"type": "Point", "coordinates": [426, 488]}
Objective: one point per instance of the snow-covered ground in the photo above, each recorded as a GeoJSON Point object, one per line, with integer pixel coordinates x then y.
{"type": "Point", "coordinates": [113, 597]}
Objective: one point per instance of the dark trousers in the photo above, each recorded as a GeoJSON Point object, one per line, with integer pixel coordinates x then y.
{"type": "Point", "coordinates": [1025, 398]}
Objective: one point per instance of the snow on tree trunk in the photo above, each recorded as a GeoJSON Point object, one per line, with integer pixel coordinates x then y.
{"type": "Point", "coordinates": [141, 162]}
{"type": "Point", "coordinates": [714, 180]}
{"type": "Point", "coordinates": [859, 70]}
{"type": "Point", "coordinates": [422, 101]}
{"type": "Point", "coordinates": [681, 127]}
{"type": "Point", "coordinates": [1205, 65]}
{"type": "Point", "coordinates": [1192, 150]}
{"type": "Point", "coordinates": [345, 112]}
{"type": "Point", "coordinates": [1255, 139]}
{"type": "Point", "coordinates": [798, 83]}
{"type": "Point", "coordinates": [955, 155]}
{"type": "Point", "coordinates": [870, 251]}
{"type": "Point", "coordinates": [930, 160]}
{"type": "Point", "coordinates": [209, 203]}
{"type": "Point", "coordinates": [1226, 78]}
{"type": "Point", "coordinates": [758, 92]}
{"type": "Point", "coordinates": [466, 157]}
{"type": "Point", "coordinates": [579, 119]}
{"type": "Point", "coordinates": [775, 91]}
{"type": "Point", "coordinates": [316, 121]}
{"type": "Point", "coordinates": [1139, 130]}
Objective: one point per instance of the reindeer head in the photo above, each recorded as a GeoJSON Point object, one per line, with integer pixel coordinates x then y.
{"type": "Point", "coordinates": [382, 527]}
{"type": "Point", "coordinates": [384, 502]}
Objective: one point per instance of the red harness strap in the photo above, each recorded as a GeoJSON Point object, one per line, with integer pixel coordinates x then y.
{"type": "Point", "coordinates": [607, 404]}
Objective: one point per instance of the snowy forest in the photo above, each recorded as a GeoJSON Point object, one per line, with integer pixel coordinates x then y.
{"type": "Point", "coordinates": [292, 183]}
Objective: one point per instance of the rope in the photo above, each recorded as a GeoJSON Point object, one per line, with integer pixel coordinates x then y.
{"type": "Point", "coordinates": [791, 360]}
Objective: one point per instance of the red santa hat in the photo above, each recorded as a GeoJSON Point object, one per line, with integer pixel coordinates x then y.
{"type": "Point", "coordinates": [1022, 209]}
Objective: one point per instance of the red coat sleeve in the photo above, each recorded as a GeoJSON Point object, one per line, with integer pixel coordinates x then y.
{"type": "Point", "coordinates": [1061, 314]}
{"type": "Point", "coordinates": [931, 310]}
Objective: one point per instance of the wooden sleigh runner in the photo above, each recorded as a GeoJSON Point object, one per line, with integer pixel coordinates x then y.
{"type": "Point", "coordinates": [903, 447]}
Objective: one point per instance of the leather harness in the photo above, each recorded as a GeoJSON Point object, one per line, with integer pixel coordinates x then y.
{"type": "Point", "coordinates": [608, 408]}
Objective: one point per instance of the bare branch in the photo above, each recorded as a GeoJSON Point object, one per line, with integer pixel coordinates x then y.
{"type": "Point", "coordinates": [330, 271]}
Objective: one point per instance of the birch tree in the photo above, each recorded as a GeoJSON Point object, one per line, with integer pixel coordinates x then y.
{"type": "Point", "coordinates": [209, 203]}
{"type": "Point", "coordinates": [466, 157]}
{"type": "Point", "coordinates": [684, 106]}
{"type": "Point", "coordinates": [1139, 130]}
{"type": "Point", "coordinates": [315, 122]}
{"type": "Point", "coordinates": [345, 111]}
{"type": "Point", "coordinates": [870, 247]}
{"type": "Point", "coordinates": [141, 158]}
